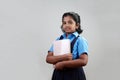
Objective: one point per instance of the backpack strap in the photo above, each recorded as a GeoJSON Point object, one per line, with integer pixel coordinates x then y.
{"type": "Point", "coordinates": [73, 42]}
{"type": "Point", "coordinates": [61, 37]}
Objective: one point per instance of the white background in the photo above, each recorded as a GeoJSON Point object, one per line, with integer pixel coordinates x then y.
{"type": "Point", "coordinates": [28, 27]}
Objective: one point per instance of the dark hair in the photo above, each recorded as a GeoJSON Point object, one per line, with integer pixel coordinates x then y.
{"type": "Point", "coordinates": [76, 18]}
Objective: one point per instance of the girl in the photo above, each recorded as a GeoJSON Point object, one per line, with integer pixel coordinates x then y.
{"type": "Point", "coordinates": [69, 66]}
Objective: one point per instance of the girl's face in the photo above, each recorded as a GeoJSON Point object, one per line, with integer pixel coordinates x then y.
{"type": "Point", "coordinates": [69, 25]}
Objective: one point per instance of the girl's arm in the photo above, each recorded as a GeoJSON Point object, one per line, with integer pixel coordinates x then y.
{"type": "Point", "coordinates": [82, 61]}
{"type": "Point", "coordinates": [54, 59]}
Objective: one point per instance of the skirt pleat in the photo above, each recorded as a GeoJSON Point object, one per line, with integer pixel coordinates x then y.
{"type": "Point", "coordinates": [69, 74]}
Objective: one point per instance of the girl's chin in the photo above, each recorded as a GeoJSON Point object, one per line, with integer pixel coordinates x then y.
{"type": "Point", "coordinates": [68, 32]}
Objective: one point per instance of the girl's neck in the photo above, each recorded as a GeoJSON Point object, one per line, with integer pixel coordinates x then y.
{"type": "Point", "coordinates": [67, 34]}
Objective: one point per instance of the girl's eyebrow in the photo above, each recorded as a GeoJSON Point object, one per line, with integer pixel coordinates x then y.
{"type": "Point", "coordinates": [68, 20]}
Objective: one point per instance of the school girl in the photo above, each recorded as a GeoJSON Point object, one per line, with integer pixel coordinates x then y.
{"type": "Point", "coordinates": [70, 66]}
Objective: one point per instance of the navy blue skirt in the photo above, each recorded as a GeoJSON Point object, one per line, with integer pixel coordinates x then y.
{"type": "Point", "coordinates": [69, 74]}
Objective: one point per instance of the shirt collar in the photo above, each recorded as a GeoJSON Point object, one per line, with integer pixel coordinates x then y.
{"type": "Point", "coordinates": [74, 34]}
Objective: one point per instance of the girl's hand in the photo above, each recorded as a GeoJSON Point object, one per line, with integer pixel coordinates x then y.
{"type": "Point", "coordinates": [59, 66]}
{"type": "Point", "coordinates": [69, 56]}
{"type": "Point", "coordinates": [54, 59]}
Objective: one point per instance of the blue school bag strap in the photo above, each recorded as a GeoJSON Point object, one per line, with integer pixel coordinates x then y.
{"type": "Point", "coordinates": [72, 43]}
{"type": "Point", "coordinates": [61, 37]}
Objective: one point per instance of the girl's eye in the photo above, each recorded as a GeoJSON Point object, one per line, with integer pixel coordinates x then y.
{"type": "Point", "coordinates": [64, 23]}
{"type": "Point", "coordinates": [70, 22]}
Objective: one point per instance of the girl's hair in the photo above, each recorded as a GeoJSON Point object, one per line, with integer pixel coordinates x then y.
{"type": "Point", "coordinates": [76, 18]}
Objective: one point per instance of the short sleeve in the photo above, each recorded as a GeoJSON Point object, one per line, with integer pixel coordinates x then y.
{"type": "Point", "coordinates": [51, 48]}
{"type": "Point", "coordinates": [82, 46]}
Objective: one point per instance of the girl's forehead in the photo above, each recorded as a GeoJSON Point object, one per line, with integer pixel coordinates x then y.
{"type": "Point", "coordinates": [66, 18]}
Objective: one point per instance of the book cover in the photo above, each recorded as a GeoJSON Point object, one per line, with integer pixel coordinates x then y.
{"type": "Point", "coordinates": [61, 47]}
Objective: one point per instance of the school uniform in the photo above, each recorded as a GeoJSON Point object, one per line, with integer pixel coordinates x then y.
{"type": "Point", "coordinates": [78, 46]}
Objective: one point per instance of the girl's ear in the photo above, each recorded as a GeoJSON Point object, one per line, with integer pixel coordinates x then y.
{"type": "Point", "coordinates": [77, 25]}
{"type": "Point", "coordinates": [61, 26]}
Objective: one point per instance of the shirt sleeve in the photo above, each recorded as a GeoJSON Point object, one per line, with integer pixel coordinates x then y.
{"type": "Point", "coordinates": [51, 48]}
{"type": "Point", "coordinates": [82, 46]}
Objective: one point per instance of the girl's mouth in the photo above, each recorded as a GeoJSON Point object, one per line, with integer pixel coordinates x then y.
{"type": "Point", "coordinates": [67, 28]}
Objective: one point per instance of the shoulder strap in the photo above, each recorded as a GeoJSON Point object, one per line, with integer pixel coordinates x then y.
{"type": "Point", "coordinates": [73, 42]}
{"type": "Point", "coordinates": [61, 37]}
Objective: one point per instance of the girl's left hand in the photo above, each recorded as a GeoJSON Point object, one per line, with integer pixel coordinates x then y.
{"type": "Point", "coordinates": [59, 66]}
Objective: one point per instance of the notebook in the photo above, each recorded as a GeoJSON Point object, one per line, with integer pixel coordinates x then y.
{"type": "Point", "coordinates": [61, 47]}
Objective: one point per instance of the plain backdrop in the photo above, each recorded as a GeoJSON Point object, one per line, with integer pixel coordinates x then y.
{"type": "Point", "coordinates": [28, 28]}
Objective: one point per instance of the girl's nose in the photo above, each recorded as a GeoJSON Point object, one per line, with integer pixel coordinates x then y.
{"type": "Point", "coordinates": [67, 24]}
